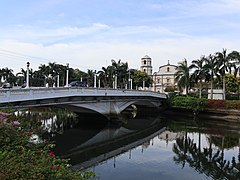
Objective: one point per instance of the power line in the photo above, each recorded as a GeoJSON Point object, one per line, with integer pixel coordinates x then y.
{"type": "Point", "coordinates": [24, 57]}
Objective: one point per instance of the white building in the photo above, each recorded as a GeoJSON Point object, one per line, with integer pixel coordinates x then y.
{"type": "Point", "coordinates": [163, 78]}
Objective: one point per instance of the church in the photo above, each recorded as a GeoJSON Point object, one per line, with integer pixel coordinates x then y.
{"type": "Point", "coordinates": [163, 79]}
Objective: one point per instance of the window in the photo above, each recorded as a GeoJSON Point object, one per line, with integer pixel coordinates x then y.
{"type": "Point", "coordinates": [158, 81]}
{"type": "Point", "coordinates": [168, 80]}
{"type": "Point", "coordinates": [168, 69]}
{"type": "Point", "coordinates": [144, 62]}
{"type": "Point", "coordinates": [144, 70]}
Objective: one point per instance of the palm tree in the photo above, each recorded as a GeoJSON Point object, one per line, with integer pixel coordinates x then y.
{"type": "Point", "coordinates": [211, 68]}
{"type": "Point", "coordinates": [234, 58]}
{"type": "Point", "coordinates": [223, 66]}
{"type": "Point", "coordinates": [103, 75]}
{"type": "Point", "coordinates": [90, 76]}
{"type": "Point", "coordinates": [121, 70]}
{"type": "Point", "coordinates": [200, 73]}
{"type": "Point", "coordinates": [182, 75]}
{"type": "Point", "coordinates": [6, 74]}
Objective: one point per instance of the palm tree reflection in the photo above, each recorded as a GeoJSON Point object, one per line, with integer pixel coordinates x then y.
{"type": "Point", "coordinates": [207, 161]}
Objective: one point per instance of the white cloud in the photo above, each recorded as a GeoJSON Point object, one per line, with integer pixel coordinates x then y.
{"type": "Point", "coordinates": [96, 55]}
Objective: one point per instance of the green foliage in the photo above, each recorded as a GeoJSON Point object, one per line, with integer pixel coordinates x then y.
{"type": "Point", "coordinates": [232, 83]}
{"type": "Point", "coordinates": [170, 89]}
{"type": "Point", "coordinates": [201, 104]}
{"type": "Point", "coordinates": [188, 103]}
{"type": "Point", "coordinates": [182, 75]}
{"type": "Point", "coordinates": [22, 159]}
{"type": "Point", "coordinates": [139, 77]}
{"type": "Point", "coordinates": [232, 104]}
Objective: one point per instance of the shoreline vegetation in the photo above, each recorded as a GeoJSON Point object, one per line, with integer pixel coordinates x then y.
{"type": "Point", "coordinates": [22, 158]}
{"type": "Point", "coordinates": [224, 110]}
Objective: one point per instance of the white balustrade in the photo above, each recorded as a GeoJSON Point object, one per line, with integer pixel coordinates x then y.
{"type": "Point", "coordinates": [12, 95]}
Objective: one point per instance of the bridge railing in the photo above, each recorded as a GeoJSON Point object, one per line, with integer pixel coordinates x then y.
{"type": "Point", "coordinates": [12, 95]}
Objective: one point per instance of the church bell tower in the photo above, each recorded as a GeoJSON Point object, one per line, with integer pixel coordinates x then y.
{"type": "Point", "coordinates": [146, 65]}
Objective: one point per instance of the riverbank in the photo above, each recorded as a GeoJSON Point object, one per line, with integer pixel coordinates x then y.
{"type": "Point", "coordinates": [228, 115]}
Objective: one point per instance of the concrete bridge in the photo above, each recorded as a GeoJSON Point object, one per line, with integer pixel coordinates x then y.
{"type": "Point", "coordinates": [103, 101]}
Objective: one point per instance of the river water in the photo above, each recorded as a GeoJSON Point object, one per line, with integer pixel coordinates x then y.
{"type": "Point", "coordinates": [144, 145]}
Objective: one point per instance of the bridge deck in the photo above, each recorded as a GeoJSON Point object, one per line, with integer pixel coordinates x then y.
{"type": "Point", "coordinates": [16, 95]}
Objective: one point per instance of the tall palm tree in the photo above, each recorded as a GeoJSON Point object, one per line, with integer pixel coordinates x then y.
{"type": "Point", "coordinates": [211, 68]}
{"type": "Point", "coordinates": [182, 75]}
{"type": "Point", "coordinates": [121, 70]}
{"type": "Point", "coordinates": [103, 75]}
{"type": "Point", "coordinates": [223, 66]}
{"type": "Point", "coordinates": [200, 73]}
{"type": "Point", "coordinates": [90, 76]}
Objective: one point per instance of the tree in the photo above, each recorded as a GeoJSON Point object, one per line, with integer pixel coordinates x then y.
{"type": "Point", "coordinates": [200, 73]}
{"type": "Point", "coordinates": [211, 68]}
{"type": "Point", "coordinates": [121, 70]}
{"type": "Point", "coordinates": [223, 66]}
{"type": "Point", "coordinates": [140, 76]}
{"type": "Point", "coordinates": [232, 83]}
{"type": "Point", "coordinates": [90, 76]}
{"type": "Point", "coordinates": [182, 75]}
{"type": "Point", "coordinates": [7, 75]}
{"type": "Point", "coordinates": [234, 61]}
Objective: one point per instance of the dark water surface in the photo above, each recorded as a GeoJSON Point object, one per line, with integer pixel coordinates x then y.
{"type": "Point", "coordinates": [147, 145]}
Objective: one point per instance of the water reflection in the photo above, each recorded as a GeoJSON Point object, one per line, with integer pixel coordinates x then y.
{"type": "Point", "coordinates": [143, 145]}
{"type": "Point", "coordinates": [94, 139]}
{"type": "Point", "coordinates": [211, 148]}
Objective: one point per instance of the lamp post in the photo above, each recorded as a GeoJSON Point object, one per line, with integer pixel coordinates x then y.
{"type": "Point", "coordinates": [115, 81]}
{"type": "Point", "coordinates": [95, 79]}
{"type": "Point", "coordinates": [143, 84]}
{"type": "Point", "coordinates": [129, 79]}
{"type": "Point", "coordinates": [27, 78]}
{"type": "Point", "coordinates": [131, 84]}
{"type": "Point", "coordinates": [58, 80]}
{"type": "Point", "coordinates": [67, 75]}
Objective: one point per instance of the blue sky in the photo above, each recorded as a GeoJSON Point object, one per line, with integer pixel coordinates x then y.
{"type": "Point", "coordinates": [88, 34]}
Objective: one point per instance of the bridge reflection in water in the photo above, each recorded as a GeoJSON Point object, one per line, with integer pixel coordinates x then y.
{"type": "Point", "coordinates": [94, 139]}
{"type": "Point", "coordinates": [139, 147]}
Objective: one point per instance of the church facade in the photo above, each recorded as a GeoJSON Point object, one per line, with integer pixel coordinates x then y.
{"type": "Point", "coordinates": [162, 79]}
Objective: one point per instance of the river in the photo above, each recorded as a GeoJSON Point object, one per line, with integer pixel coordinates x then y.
{"type": "Point", "coordinates": [141, 144]}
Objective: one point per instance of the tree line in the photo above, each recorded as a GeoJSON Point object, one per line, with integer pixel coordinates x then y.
{"type": "Point", "coordinates": [214, 69]}
{"type": "Point", "coordinates": [48, 74]}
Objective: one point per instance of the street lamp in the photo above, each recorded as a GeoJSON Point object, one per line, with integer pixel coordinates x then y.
{"type": "Point", "coordinates": [95, 79]}
{"type": "Point", "coordinates": [27, 78]}
{"type": "Point", "coordinates": [58, 80]}
{"type": "Point", "coordinates": [129, 79]}
{"type": "Point", "coordinates": [143, 84]}
{"type": "Point", "coordinates": [67, 75]}
{"type": "Point", "coordinates": [115, 81]}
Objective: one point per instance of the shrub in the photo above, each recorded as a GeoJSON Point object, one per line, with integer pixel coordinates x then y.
{"type": "Point", "coordinates": [214, 103]}
{"type": "Point", "coordinates": [201, 104]}
{"type": "Point", "coordinates": [188, 103]}
{"type": "Point", "coordinates": [232, 104]}
{"type": "Point", "coordinates": [21, 159]}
